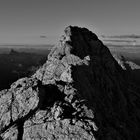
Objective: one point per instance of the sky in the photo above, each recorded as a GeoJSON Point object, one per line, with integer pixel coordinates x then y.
{"type": "Point", "coordinates": [43, 21]}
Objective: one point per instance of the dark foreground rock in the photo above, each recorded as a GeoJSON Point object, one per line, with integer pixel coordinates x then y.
{"type": "Point", "coordinates": [80, 93]}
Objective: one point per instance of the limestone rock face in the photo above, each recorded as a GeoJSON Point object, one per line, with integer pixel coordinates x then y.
{"type": "Point", "coordinates": [80, 93]}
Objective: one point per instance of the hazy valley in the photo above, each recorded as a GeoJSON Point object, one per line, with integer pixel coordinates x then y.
{"type": "Point", "coordinates": [19, 61]}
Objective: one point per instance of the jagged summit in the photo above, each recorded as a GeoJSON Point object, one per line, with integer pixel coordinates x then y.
{"type": "Point", "coordinates": [81, 92]}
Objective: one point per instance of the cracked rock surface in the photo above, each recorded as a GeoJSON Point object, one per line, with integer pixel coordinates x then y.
{"type": "Point", "coordinates": [80, 93]}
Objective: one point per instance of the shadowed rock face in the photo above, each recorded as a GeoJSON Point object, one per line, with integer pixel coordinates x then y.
{"type": "Point", "coordinates": [81, 92]}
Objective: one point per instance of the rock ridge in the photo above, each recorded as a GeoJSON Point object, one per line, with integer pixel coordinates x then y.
{"type": "Point", "coordinates": [81, 92]}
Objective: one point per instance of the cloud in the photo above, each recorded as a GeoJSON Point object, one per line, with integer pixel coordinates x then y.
{"type": "Point", "coordinates": [127, 41]}
{"type": "Point", "coordinates": [43, 36]}
{"type": "Point", "coordinates": [133, 36]}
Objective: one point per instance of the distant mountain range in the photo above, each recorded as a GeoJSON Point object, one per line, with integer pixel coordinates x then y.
{"type": "Point", "coordinates": [26, 45]}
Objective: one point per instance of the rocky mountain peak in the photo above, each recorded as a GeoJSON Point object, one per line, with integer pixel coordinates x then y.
{"type": "Point", "coordinates": [81, 92]}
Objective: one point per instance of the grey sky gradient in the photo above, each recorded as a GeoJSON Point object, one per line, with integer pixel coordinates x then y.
{"type": "Point", "coordinates": [24, 21]}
